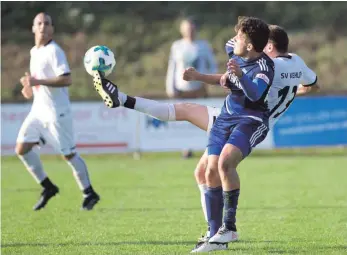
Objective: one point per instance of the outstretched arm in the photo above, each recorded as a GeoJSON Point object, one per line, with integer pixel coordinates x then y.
{"type": "Point", "coordinates": [190, 74]}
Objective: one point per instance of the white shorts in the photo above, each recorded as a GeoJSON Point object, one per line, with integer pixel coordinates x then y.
{"type": "Point", "coordinates": [58, 133]}
{"type": "Point", "coordinates": [213, 113]}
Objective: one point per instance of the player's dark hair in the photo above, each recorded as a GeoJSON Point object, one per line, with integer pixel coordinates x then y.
{"type": "Point", "coordinates": [279, 38]}
{"type": "Point", "coordinates": [256, 30]}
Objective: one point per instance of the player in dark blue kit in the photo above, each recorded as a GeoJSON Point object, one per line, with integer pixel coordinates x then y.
{"type": "Point", "coordinates": [248, 107]}
{"type": "Point", "coordinates": [242, 124]}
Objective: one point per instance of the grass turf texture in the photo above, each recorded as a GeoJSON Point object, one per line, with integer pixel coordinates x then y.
{"type": "Point", "coordinates": [290, 203]}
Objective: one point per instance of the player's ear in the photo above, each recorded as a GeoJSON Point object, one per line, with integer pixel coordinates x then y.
{"type": "Point", "coordinates": [249, 47]}
{"type": "Point", "coordinates": [269, 47]}
{"type": "Point", "coordinates": [33, 29]}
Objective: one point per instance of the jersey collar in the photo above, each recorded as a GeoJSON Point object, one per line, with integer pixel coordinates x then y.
{"type": "Point", "coordinates": [254, 59]}
{"type": "Point", "coordinates": [48, 42]}
{"type": "Point", "coordinates": [284, 56]}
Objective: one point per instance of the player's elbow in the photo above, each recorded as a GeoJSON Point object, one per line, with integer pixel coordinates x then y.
{"type": "Point", "coordinates": [310, 89]}
{"type": "Point", "coordinates": [315, 88]}
{"type": "Point", "coordinates": [254, 95]}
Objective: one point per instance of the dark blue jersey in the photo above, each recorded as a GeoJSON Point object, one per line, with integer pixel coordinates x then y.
{"type": "Point", "coordinates": [248, 93]}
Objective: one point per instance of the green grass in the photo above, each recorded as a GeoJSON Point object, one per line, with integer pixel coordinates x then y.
{"type": "Point", "coordinates": [289, 204]}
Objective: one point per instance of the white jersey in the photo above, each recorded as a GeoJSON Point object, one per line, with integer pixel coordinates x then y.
{"type": "Point", "coordinates": [46, 62]}
{"type": "Point", "coordinates": [290, 71]}
{"type": "Point", "coordinates": [184, 54]}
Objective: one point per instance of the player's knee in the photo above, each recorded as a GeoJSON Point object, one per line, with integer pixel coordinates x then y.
{"type": "Point", "coordinates": [23, 148]}
{"type": "Point", "coordinates": [224, 166]}
{"type": "Point", "coordinates": [200, 169]}
{"type": "Point", "coordinates": [230, 158]}
{"type": "Point", "coordinates": [199, 173]}
{"type": "Point", "coordinates": [212, 175]}
{"type": "Point", "coordinates": [181, 111]}
{"type": "Point", "coordinates": [69, 156]}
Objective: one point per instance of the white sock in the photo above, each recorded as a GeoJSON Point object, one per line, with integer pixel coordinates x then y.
{"type": "Point", "coordinates": [203, 189]}
{"type": "Point", "coordinates": [160, 111]}
{"type": "Point", "coordinates": [122, 97]}
{"type": "Point", "coordinates": [80, 171]}
{"type": "Point", "coordinates": [32, 162]}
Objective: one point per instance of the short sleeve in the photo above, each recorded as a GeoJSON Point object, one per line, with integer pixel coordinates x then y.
{"type": "Point", "coordinates": [309, 77]}
{"type": "Point", "coordinates": [59, 62]}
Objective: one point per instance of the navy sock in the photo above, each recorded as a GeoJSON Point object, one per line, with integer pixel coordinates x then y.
{"type": "Point", "coordinates": [214, 208]}
{"type": "Point", "coordinates": [230, 205]}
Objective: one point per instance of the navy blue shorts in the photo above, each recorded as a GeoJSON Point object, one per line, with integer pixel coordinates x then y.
{"type": "Point", "coordinates": [242, 132]}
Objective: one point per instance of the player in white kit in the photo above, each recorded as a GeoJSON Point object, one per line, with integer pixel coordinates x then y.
{"type": "Point", "coordinates": [50, 117]}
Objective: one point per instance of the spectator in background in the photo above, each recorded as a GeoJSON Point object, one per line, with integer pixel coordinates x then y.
{"type": "Point", "coordinates": [188, 52]}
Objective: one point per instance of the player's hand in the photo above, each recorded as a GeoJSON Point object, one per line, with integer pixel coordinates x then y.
{"type": "Point", "coordinates": [234, 68]}
{"type": "Point", "coordinates": [27, 92]}
{"type": "Point", "coordinates": [223, 81]}
{"type": "Point", "coordinates": [28, 81]}
{"type": "Point", "coordinates": [190, 74]}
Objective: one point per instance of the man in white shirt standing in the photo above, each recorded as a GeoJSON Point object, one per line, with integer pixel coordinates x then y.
{"type": "Point", "coordinates": [50, 117]}
{"type": "Point", "coordinates": [188, 52]}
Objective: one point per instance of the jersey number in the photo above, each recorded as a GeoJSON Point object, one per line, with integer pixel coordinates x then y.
{"type": "Point", "coordinates": [283, 93]}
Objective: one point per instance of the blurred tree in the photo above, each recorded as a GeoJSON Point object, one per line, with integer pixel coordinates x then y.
{"type": "Point", "coordinates": [140, 34]}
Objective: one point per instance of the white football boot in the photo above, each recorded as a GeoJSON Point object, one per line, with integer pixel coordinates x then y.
{"type": "Point", "coordinates": [208, 247]}
{"type": "Point", "coordinates": [224, 235]}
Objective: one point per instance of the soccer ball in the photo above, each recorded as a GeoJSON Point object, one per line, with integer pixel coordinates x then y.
{"type": "Point", "coordinates": [99, 58]}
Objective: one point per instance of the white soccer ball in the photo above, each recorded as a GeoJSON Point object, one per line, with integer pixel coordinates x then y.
{"type": "Point", "coordinates": [99, 58]}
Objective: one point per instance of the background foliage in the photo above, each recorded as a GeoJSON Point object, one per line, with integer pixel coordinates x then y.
{"type": "Point", "coordinates": [141, 33]}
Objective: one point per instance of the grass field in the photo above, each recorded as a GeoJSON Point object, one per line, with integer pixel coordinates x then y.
{"type": "Point", "coordinates": [289, 204]}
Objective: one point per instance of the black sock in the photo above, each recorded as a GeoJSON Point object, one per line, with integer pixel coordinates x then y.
{"type": "Point", "coordinates": [230, 206]}
{"type": "Point", "coordinates": [88, 190]}
{"type": "Point", "coordinates": [46, 183]}
{"type": "Point", "coordinates": [214, 208]}
{"type": "Point", "coordinates": [130, 102]}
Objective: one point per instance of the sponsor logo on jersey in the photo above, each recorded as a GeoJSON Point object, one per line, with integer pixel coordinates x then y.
{"type": "Point", "coordinates": [263, 77]}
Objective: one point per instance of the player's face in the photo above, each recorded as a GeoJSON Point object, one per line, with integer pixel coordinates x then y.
{"type": "Point", "coordinates": [42, 27]}
{"type": "Point", "coordinates": [242, 45]}
{"type": "Point", "coordinates": [188, 29]}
